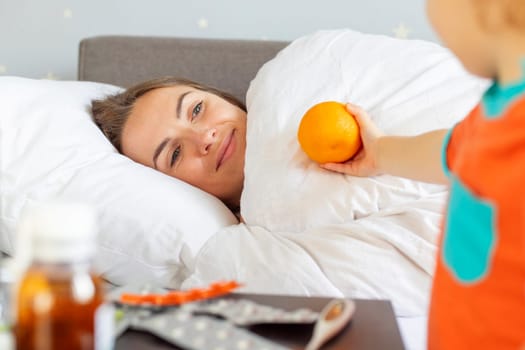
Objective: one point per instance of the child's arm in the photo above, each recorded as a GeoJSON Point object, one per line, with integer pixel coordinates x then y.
{"type": "Point", "coordinates": [414, 157]}
{"type": "Point", "coordinates": [417, 157]}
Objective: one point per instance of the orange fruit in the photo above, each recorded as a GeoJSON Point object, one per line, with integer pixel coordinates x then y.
{"type": "Point", "coordinates": [328, 133]}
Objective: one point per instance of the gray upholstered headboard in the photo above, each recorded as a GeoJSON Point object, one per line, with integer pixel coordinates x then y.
{"type": "Point", "coordinates": [226, 64]}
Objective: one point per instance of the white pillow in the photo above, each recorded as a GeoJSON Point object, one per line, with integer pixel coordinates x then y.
{"type": "Point", "coordinates": [151, 225]}
{"type": "Point", "coordinates": [408, 87]}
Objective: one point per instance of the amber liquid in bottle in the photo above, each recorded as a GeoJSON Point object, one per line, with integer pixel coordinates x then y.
{"type": "Point", "coordinates": [56, 307]}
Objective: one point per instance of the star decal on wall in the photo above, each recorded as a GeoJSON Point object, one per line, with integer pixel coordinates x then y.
{"type": "Point", "coordinates": [202, 23]}
{"type": "Point", "coordinates": [401, 31]}
{"type": "Point", "coordinates": [50, 76]}
{"type": "Point", "coordinates": [68, 13]}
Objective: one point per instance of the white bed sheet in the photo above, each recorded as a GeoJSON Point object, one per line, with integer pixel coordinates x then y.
{"type": "Point", "coordinates": [387, 255]}
{"type": "Point", "coordinates": [413, 332]}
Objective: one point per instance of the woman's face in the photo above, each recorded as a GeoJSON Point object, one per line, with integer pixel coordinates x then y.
{"type": "Point", "coordinates": [193, 135]}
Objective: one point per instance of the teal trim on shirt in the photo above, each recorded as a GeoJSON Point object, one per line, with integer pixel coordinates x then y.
{"type": "Point", "coordinates": [470, 236]}
{"type": "Point", "coordinates": [498, 97]}
{"type": "Point", "coordinates": [444, 147]}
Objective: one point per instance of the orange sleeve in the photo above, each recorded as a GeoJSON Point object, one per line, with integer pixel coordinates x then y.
{"type": "Point", "coordinates": [457, 135]}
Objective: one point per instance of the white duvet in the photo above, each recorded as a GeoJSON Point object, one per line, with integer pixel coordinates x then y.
{"type": "Point", "coordinates": [312, 232]}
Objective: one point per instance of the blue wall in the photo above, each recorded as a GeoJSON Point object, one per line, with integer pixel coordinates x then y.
{"type": "Point", "coordinates": [39, 38]}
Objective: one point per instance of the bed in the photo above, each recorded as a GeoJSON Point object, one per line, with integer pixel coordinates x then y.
{"type": "Point", "coordinates": [307, 231]}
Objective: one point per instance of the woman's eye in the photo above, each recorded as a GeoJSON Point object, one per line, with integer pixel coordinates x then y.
{"type": "Point", "coordinates": [175, 155]}
{"type": "Point", "coordinates": [196, 110]}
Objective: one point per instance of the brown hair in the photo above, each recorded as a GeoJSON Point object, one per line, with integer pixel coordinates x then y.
{"type": "Point", "coordinates": [112, 112]}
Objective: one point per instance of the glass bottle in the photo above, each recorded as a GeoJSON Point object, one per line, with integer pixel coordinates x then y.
{"type": "Point", "coordinates": [6, 319]}
{"type": "Point", "coordinates": [59, 300]}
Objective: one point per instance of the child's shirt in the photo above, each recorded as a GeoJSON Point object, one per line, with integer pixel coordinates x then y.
{"type": "Point", "coordinates": [478, 296]}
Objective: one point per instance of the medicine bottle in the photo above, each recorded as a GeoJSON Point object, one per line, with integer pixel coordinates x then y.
{"type": "Point", "coordinates": [59, 300]}
{"type": "Point", "coordinates": [6, 319]}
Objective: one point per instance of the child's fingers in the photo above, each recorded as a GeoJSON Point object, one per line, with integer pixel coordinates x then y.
{"type": "Point", "coordinates": [359, 113]}
{"type": "Point", "coordinates": [364, 121]}
{"type": "Point", "coordinates": [355, 109]}
{"type": "Point", "coordinates": [337, 167]}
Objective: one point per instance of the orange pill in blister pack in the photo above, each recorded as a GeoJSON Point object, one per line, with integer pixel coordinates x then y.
{"type": "Point", "coordinates": [196, 294]}
{"type": "Point", "coordinates": [131, 299]}
{"type": "Point", "coordinates": [221, 288]}
{"type": "Point", "coordinates": [174, 298]}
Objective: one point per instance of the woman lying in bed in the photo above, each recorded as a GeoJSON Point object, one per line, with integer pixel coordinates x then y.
{"type": "Point", "coordinates": [184, 129]}
{"type": "Point", "coordinates": [201, 135]}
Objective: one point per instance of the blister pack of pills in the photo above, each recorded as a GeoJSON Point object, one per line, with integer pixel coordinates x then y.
{"type": "Point", "coordinates": [162, 297]}
{"type": "Point", "coordinates": [244, 312]}
{"type": "Point", "coordinates": [220, 323]}
{"type": "Point", "coordinates": [198, 319]}
{"type": "Point", "coordinates": [188, 331]}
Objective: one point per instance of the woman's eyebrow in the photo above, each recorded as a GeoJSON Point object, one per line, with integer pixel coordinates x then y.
{"type": "Point", "coordinates": [179, 103]}
{"type": "Point", "coordinates": [158, 150]}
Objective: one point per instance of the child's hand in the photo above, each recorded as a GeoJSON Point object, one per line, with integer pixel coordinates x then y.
{"type": "Point", "coordinates": [364, 163]}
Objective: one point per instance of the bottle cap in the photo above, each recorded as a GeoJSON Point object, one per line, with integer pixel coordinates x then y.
{"type": "Point", "coordinates": [62, 232]}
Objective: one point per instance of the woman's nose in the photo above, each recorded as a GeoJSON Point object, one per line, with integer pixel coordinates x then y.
{"type": "Point", "coordinates": [205, 139]}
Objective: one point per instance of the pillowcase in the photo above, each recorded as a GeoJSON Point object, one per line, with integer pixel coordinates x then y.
{"type": "Point", "coordinates": [150, 225]}
{"type": "Point", "coordinates": [407, 86]}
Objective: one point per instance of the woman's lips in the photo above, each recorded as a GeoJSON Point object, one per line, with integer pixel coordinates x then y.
{"type": "Point", "coordinates": [226, 150]}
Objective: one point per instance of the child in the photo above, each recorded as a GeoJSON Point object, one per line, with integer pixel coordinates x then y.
{"type": "Point", "coordinates": [478, 295]}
